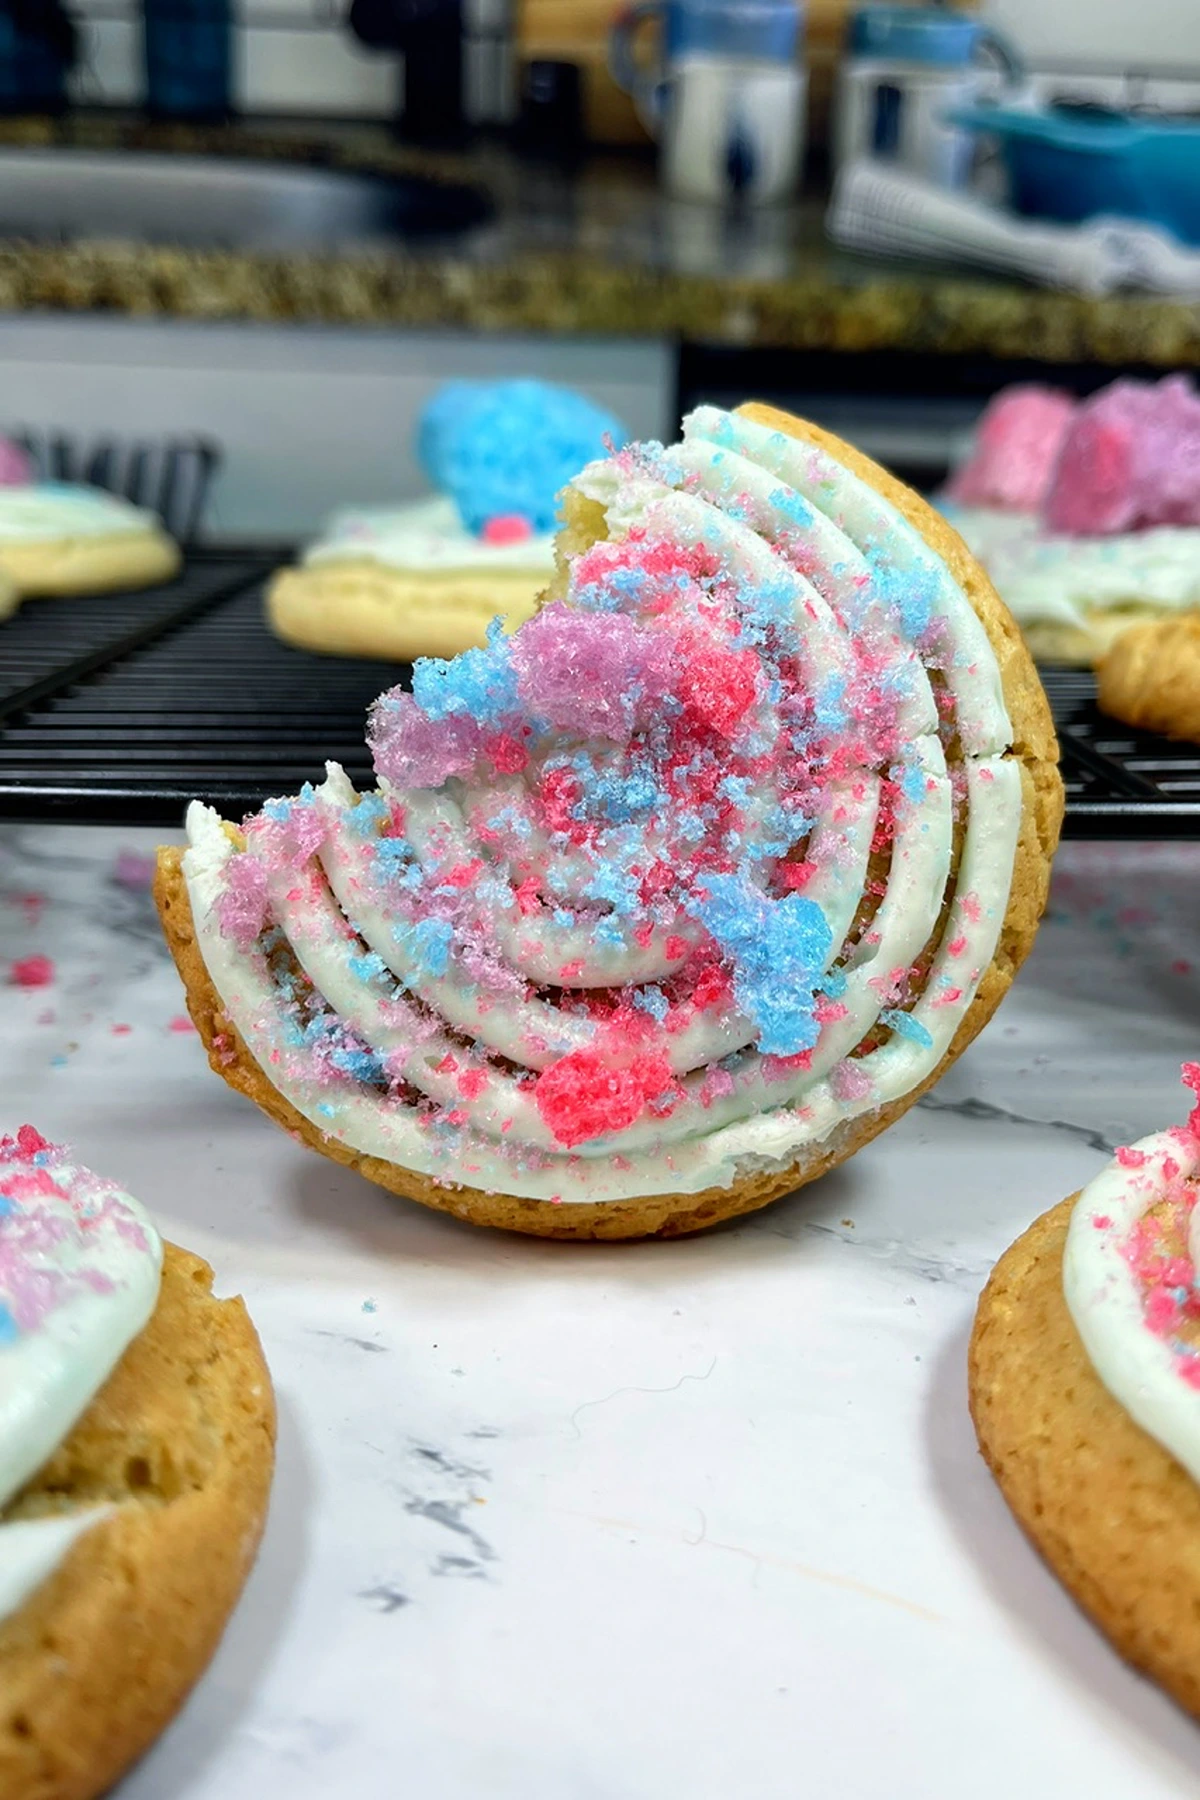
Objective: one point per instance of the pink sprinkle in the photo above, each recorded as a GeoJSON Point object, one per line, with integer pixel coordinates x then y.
{"type": "Point", "coordinates": [1101, 1221]}
{"type": "Point", "coordinates": [1162, 1311]}
{"type": "Point", "coordinates": [181, 1023]}
{"type": "Point", "coordinates": [848, 1081]}
{"type": "Point", "coordinates": [134, 871]}
{"type": "Point", "coordinates": [507, 528]}
{"type": "Point", "coordinates": [31, 972]}
{"type": "Point", "coordinates": [1130, 1158]}
{"type": "Point", "coordinates": [957, 946]}
{"type": "Point", "coordinates": [121, 1030]}
{"type": "Point", "coordinates": [795, 875]}
{"type": "Point", "coordinates": [508, 755]}
{"type": "Point", "coordinates": [471, 1083]}
{"type": "Point", "coordinates": [1181, 966]}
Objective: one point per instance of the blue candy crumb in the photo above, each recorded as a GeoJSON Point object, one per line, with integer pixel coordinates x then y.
{"type": "Point", "coordinates": [505, 447]}
{"type": "Point", "coordinates": [778, 949]}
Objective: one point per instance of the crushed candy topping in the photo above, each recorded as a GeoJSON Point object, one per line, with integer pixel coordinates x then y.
{"type": "Point", "coordinates": [56, 1223]}
{"type": "Point", "coordinates": [677, 852]}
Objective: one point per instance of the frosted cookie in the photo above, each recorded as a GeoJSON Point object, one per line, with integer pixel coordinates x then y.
{"type": "Point", "coordinates": [1085, 1390]}
{"type": "Point", "coordinates": [1150, 678]}
{"type": "Point", "coordinates": [674, 898]}
{"type": "Point", "coordinates": [60, 539]}
{"type": "Point", "coordinates": [427, 579]}
{"type": "Point", "coordinates": [1097, 526]}
{"type": "Point", "coordinates": [136, 1447]}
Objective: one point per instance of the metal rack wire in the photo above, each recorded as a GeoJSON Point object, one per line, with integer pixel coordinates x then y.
{"type": "Point", "coordinates": [121, 709]}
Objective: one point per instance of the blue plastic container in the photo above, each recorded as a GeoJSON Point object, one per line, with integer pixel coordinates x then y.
{"type": "Point", "coordinates": [1073, 165]}
{"type": "Point", "coordinates": [188, 45]}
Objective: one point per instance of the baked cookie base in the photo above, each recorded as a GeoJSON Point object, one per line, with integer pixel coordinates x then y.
{"type": "Point", "coordinates": [181, 1441]}
{"type": "Point", "coordinates": [1112, 1512]}
{"type": "Point", "coordinates": [89, 565]}
{"type": "Point", "coordinates": [1150, 678]}
{"type": "Point", "coordinates": [363, 608]}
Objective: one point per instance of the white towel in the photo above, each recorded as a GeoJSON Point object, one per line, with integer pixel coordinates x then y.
{"type": "Point", "coordinates": [877, 208]}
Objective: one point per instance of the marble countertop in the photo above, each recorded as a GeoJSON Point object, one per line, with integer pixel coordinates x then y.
{"type": "Point", "coordinates": [596, 251]}
{"type": "Point", "coordinates": [704, 1518]}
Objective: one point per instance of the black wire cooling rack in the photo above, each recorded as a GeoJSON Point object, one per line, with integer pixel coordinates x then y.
{"type": "Point", "coordinates": [120, 709]}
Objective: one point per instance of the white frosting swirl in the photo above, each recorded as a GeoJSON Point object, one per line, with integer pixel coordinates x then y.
{"type": "Point", "coordinates": [52, 511]}
{"type": "Point", "coordinates": [1061, 580]}
{"type": "Point", "coordinates": [427, 536]}
{"type": "Point", "coordinates": [1143, 1369]}
{"type": "Point", "coordinates": [789, 525]}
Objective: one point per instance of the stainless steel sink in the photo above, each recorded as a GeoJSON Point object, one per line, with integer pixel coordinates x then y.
{"type": "Point", "coordinates": [219, 202]}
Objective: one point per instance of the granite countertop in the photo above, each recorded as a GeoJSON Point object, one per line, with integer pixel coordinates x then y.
{"type": "Point", "coordinates": [604, 1522]}
{"type": "Point", "coordinates": [597, 251]}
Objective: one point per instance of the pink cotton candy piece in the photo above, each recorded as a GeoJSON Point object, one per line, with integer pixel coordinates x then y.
{"type": "Point", "coordinates": [16, 470]}
{"type": "Point", "coordinates": [411, 750]}
{"type": "Point", "coordinates": [1017, 444]}
{"type": "Point", "coordinates": [1130, 461]}
{"type": "Point", "coordinates": [589, 672]}
{"type": "Point", "coordinates": [242, 907]}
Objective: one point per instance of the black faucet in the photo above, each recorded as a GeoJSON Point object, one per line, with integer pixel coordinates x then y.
{"type": "Point", "coordinates": [429, 33]}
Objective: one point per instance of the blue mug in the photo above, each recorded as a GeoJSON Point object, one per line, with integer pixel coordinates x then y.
{"type": "Point", "coordinates": [725, 93]}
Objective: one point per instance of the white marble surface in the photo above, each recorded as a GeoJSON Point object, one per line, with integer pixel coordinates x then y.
{"type": "Point", "coordinates": [560, 1522]}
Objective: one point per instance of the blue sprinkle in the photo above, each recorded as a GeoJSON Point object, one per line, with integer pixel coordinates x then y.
{"type": "Point", "coordinates": [651, 1000]}
{"type": "Point", "coordinates": [793, 506]}
{"type": "Point", "coordinates": [371, 812]}
{"type": "Point", "coordinates": [368, 967]}
{"type": "Point", "coordinates": [905, 1026]}
{"type": "Point", "coordinates": [7, 1205]}
{"type": "Point", "coordinates": [9, 1332]}
{"type": "Point", "coordinates": [428, 943]}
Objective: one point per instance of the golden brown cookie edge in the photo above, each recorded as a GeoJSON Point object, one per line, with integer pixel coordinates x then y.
{"type": "Point", "coordinates": [1112, 1513]}
{"type": "Point", "coordinates": [103, 1655]}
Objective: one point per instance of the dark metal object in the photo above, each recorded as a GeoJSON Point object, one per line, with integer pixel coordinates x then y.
{"type": "Point", "coordinates": [170, 478]}
{"type": "Point", "coordinates": [1120, 783]}
{"type": "Point", "coordinates": [38, 46]}
{"type": "Point", "coordinates": [429, 33]}
{"type": "Point", "coordinates": [550, 118]}
{"type": "Point", "coordinates": [222, 202]}
{"type": "Point", "coordinates": [122, 709]}
{"type": "Point", "coordinates": [188, 46]}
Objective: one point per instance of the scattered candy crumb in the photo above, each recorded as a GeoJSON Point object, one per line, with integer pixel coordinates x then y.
{"type": "Point", "coordinates": [31, 972]}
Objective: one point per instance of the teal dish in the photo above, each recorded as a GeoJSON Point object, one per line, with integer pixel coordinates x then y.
{"type": "Point", "coordinates": [1075, 163]}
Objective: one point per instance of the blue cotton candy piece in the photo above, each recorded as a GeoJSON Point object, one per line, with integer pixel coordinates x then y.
{"type": "Point", "coordinates": [504, 447]}
{"type": "Point", "coordinates": [778, 950]}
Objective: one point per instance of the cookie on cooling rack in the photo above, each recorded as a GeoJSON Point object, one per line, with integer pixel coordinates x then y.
{"type": "Point", "coordinates": [59, 538]}
{"type": "Point", "coordinates": [674, 898]}
{"type": "Point", "coordinates": [428, 578]}
{"type": "Point", "coordinates": [1086, 515]}
{"type": "Point", "coordinates": [1150, 678]}
{"type": "Point", "coordinates": [1085, 1391]}
{"type": "Point", "coordinates": [134, 1475]}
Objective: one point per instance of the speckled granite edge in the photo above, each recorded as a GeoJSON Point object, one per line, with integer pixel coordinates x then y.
{"type": "Point", "coordinates": [576, 294]}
